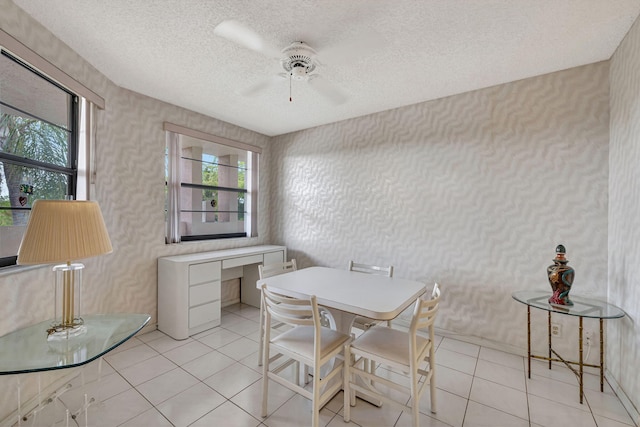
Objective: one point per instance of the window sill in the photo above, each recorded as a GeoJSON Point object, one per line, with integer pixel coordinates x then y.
{"type": "Point", "coordinates": [15, 269]}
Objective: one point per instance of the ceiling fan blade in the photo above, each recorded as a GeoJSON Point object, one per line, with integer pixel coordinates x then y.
{"type": "Point", "coordinates": [261, 86]}
{"type": "Point", "coordinates": [242, 35]}
{"type": "Point", "coordinates": [327, 89]}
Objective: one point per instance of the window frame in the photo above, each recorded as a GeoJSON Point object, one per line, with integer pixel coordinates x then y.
{"type": "Point", "coordinates": [71, 170]}
{"type": "Point", "coordinates": [174, 184]}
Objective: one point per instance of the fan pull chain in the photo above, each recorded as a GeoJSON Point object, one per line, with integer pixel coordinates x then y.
{"type": "Point", "coordinates": [290, 79]}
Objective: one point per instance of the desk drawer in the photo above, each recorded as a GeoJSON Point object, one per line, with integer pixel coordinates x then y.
{"type": "Point", "coordinates": [273, 257]}
{"type": "Point", "coordinates": [204, 314]}
{"type": "Point", "coordinates": [207, 292]}
{"type": "Point", "coordinates": [245, 260]}
{"type": "Point", "coordinates": [205, 272]}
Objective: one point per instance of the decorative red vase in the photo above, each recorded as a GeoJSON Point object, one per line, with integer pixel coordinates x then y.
{"type": "Point", "coordinates": [560, 278]}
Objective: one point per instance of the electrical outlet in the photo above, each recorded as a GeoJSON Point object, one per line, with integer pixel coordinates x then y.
{"type": "Point", "coordinates": [588, 337]}
{"type": "Point", "coordinates": [556, 330]}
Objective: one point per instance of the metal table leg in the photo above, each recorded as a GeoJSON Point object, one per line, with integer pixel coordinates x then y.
{"type": "Point", "coordinates": [549, 338]}
{"type": "Point", "coordinates": [580, 360]}
{"type": "Point", "coordinates": [601, 356]}
{"type": "Point", "coordinates": [529, 339]}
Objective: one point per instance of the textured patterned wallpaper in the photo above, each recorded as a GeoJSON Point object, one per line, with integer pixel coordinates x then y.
{"type": "Point", "coordinates": [623, 353]}
{"type": "Point", "coordinates": [473, 191]}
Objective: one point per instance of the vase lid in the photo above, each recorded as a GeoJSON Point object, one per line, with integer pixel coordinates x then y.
{"type": "Point", "coordinates": [560, 252]}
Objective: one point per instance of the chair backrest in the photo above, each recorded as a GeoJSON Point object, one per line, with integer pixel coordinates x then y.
{"type": "Point", "coordinates": [424, 313]}
{"type": "Point", "coordinates": [371, 269]}
{"type": "Point", "coordinates": [274, 269]}
{"type": "Point", "coordinates": [292, 311]}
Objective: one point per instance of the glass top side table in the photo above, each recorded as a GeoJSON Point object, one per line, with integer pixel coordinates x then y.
{"type": "Point", "coordinates": [27, 350]}
{"type": "Point", "coordinates": [582, 307]}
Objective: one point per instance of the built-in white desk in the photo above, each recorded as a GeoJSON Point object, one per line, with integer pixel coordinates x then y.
{"type": "Point", "coordinates": [189, 286]}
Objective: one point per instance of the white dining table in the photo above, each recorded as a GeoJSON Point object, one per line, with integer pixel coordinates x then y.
{"type": "Point", "coordinates": [347, 294]}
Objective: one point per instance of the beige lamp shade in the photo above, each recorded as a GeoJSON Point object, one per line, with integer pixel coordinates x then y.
{"type": "Point", "coordinates": [61, 231]}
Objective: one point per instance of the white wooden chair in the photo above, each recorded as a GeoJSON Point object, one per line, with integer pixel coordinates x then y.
{"type": "Point", "coordinates": [403, 351]}
{"type": "Point", "coordinates": [265, 271]}
{"type": "Point", "coordinates": [364, 323]}
{"type": "Point", "coordinates": [308, 343]}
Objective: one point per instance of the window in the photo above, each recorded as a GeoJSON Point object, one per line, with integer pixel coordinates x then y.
{"type": "Point", "coordinates": [213, 184]}
{"type": "Point", "coordinates": [38, 147]}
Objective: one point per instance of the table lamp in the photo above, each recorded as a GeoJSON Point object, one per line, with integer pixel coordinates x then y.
{"type": "Point", "coordinates": [62, 231]}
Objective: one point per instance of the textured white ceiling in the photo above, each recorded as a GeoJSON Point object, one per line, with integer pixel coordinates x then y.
{"type": "Point", "coordinates": [424, 50]}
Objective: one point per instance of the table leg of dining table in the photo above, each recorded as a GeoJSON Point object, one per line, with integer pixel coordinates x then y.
{"type": "Point", "coordinates": [343, 322]}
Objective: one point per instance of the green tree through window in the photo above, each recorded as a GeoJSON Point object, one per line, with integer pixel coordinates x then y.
{"type": "Point", "coordinates": [31, 139]}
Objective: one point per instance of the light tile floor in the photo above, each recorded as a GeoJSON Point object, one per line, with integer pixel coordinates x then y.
{"type": "Point", "coordinates": [213, 379]}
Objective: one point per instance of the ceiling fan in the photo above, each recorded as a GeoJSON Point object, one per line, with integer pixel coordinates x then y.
{"type": "Point", "coordinates": [298, 61]}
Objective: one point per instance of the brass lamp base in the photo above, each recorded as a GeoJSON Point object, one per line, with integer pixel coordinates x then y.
{"type": "Point", "coordinates": [59, 332]}
{"type": "Point", "coordinates": [67, 322]}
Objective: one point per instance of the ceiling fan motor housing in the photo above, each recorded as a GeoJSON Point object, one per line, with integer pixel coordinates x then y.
{"type": "Point", "coordinates": [298, 60]}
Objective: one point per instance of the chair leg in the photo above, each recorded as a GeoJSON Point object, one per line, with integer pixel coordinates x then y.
{"type": "Point", "coordinates": [265, 381]}
{"type": "Point", "coordinates": [352, 378]}
{"type": "Point", "coordinates": [432, 386]}
{"type": "Point", "coordinates": [370, 366]}
{"type": "Point", "coordinates": [346, 376]}
{"type": "Point", "coordinates": [415, 402]}
{"type": "Point", "coordinates": [261, 334]}
{"type": "Point", "coordinates": [306, 374]}
{"type": "Point", "coordinates": [316, 396]}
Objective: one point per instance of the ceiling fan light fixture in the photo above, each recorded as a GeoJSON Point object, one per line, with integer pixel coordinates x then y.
{"type": "Point", "coordinates": [298, 55]}
{"type": "Point", "coordinates": [299, 73]}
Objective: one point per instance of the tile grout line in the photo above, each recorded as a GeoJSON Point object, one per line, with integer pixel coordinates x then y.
{"type": "Point", "coordinates": [526, 389]}
{"type": "Point", "coordinates": [227, 399]}
{"type": "Point", "coordinates": [137, 391]}
{"type": "Point", "coordinates": [261, 420]}
{"type": "Point", "coordinates": [473, 378]}
{"type": "Point", "coordinates": [186, 372]}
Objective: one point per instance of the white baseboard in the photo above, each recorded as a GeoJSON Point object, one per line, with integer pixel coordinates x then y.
{"type": "Point", "coordinates": [495, 345]}
{"type": "Point", "coordinates": [626, 402]}
{"type": "Point", "coordinates": [500, 346]}
{"type": "Point", "coordinates": [230, 302]}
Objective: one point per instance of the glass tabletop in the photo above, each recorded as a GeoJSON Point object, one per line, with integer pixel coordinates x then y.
{"type": "Point", "coordinates": [583, 307]}
{"type": "Point", "coordinates": [27, 350]}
